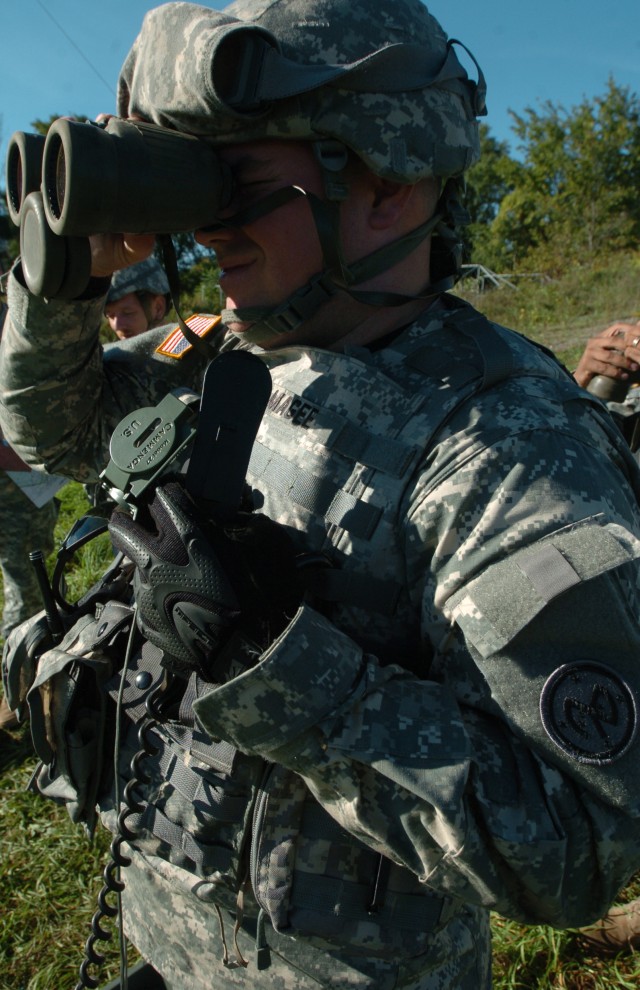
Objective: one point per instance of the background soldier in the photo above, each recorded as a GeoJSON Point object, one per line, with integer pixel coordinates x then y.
{"type": "Point", "coordinates": [138, 299]}
{"type": "Point", "coordinates": [615, 354]}
{"type": "Point", "coordinates": [28, 514]}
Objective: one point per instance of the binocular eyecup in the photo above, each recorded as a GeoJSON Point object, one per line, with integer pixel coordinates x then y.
{"type": "Point", "coordinates": [120, 176]}
{"type": "Point", "coordinates": [612, 389]}
{"type": "Point", "coordinates": [23, 170]}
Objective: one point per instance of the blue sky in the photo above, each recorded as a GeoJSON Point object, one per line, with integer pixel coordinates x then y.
{"type": "Point", "coordinates": [63, 56]}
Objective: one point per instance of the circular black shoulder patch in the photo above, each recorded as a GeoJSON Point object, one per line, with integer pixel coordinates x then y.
{"type": "Point", "coordinates": [589, 712]}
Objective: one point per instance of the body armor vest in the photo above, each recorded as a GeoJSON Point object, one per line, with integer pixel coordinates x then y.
{"type": "Point", "coordinates": [342, 438]}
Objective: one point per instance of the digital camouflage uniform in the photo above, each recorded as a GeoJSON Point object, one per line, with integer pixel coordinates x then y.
{"type": "Point", "coordinates": [146, 276]}
{"type": "Point", "coordinates": [449, 725]}
{"type": "Point", "coordinates": [24, 527]}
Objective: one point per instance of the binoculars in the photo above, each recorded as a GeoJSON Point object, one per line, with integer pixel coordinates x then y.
{"type": "Point", "coordinates": [612, 389]}
{"type": "Point", "coordinates": [121, 176]}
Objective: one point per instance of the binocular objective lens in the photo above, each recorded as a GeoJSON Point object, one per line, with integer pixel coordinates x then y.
{"type": "Point", "coordinates": [61, 177]}
{"type": "Point", "coordinates": [14, 180]}
{"type": "Point", "coordinates": [54, 177]}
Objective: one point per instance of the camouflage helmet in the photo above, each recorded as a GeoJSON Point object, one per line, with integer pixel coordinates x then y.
{"type": "Point", "coordinates": [146, 276]}
{"type": "Point", "coordinates": [379, 76]}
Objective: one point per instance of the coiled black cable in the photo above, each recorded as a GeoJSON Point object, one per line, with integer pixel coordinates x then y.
{"type": "Point", "coordinates": [117, 860]}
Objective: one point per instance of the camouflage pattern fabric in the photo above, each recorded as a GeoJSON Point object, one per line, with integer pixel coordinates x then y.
{"type": "Point", "coordinates": [146, 276]}
{"type": "Point", "coordinates": [24, 527]}
{"type": "Point", "coordinates": [460, 954]}
{"type": "Point", "coordinates": [94, 387]}
{"type": "Point", "coordinates": [627, 415]}
{"type": "Point", "coordinates": [524, 477]}
{"type": "Point", "coordinates": [429, 131]}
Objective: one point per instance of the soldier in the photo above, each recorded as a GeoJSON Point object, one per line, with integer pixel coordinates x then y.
{"type": "Point", "coordinates": [614, 353]}
{"type": "Point", "coordinates": [28, 514]}
{"type": "Point", "coordinates": [25, 527]}
{"type": "Point", "coordinates": [346, 775]}
{"type": "Point", "coordinates": [138, 299]}
{"type": "Point", "coordinates": [609, 365]}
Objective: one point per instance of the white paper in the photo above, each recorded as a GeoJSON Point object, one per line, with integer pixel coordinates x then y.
{"type": "Point", "coordinates": [38, 486]}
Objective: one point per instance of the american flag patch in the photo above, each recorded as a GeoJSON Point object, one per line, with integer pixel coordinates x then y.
{"type": "Point", "coordinates": [176, 344]}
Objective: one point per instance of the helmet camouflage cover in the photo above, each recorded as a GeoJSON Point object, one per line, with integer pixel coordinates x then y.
{"type": "Point", "coordinates": [146, 276]}
{"type": "Point", "coordinates": [379, 76]}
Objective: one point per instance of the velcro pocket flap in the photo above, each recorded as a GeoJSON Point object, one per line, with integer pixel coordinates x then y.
{"type": "Point", "coordinates": [497, 605]}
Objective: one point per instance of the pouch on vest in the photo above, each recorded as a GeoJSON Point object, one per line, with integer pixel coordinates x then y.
{"type": "Point", "coordinates": [68, 710]}
{"type": "Point", "coordinates": [313, 879]}
{"type": "Point", "coordinates": [25, 643]}
{"type": "Point", "coordinates": [252, 830]}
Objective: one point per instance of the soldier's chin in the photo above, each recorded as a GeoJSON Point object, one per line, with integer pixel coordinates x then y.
{"type": "Point", "coordinates": [237, 326]}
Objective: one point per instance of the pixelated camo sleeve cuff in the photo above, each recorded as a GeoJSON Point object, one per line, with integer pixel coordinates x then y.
{"type": "Point", "coordinates": [306, 674]}
{"type": "Point", "coordinates": [54, 319]}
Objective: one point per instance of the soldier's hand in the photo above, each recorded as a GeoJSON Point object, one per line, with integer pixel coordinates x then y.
{"type": "Point", "coordinates": [615, 353]}
{"type": "Point", "coordinates": [111, 252]}
{"type": "Point", "coordinates": [198, 582]}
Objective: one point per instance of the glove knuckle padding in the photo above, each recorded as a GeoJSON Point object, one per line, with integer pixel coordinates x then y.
{"type": "Point", "coordinates": [195, 578]}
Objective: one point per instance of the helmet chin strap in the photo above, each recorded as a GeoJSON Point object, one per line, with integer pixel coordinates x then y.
{"type": "Point", "coordinates": [301, 305]}
{"type": "Point", "coordinates": [267, 322]}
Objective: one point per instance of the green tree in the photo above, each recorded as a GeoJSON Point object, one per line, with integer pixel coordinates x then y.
{"type": "Point", "coordinates": [492, 178]}
{"type": "Point", "coordinates": [42, 126]}
{"type": "Point", "coordinates": [9, 239]}
{"type": "Point", "coordinates": [200, 289]}
{"type": "Point", "coordinates": [575, 198]}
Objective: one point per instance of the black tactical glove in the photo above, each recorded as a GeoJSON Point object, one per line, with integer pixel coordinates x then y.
{"type": "Point", "coordinates": [199, 582]}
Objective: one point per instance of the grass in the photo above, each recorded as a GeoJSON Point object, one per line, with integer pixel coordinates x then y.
{"type": "Point", "coordinates": [564, 313]}
{"type": "Point", "coordinates": [49, 885]}
{"type": "Point", "coordinates": [51, 874]}
{"type": "Point", "coordinates": [541, 958]}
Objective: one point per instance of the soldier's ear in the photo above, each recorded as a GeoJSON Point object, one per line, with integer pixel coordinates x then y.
{"type": "Point", "coordinates": [158, 308]}
{"type": "Point", "coordinates": [390, 201]}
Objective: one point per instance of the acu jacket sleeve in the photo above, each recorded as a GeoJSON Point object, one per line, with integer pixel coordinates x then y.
{"type": "Point", "coordinates": [63, 393]}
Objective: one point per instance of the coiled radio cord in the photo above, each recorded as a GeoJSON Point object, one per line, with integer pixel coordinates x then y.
{"type": "Point", "coordinates": [124, 833]}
